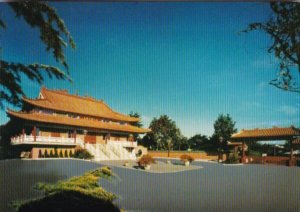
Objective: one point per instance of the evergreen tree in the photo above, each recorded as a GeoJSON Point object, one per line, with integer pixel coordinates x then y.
{"type": "Point", "coordinates": [66, 154]}
{"type": "Point", "coordinates": [53, 33]}
{"type": "Point", "coordinates": [224, 127]}
{"type": "Point", "coordinates": [283, 27]}
{"type": "Point", "coordinates": [51, 153]}
{"type": "Point", "coordinates": [164, 133]}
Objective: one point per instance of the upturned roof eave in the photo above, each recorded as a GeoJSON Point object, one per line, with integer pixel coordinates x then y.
{"type": "Point", "coordinates": [39, 103]}
{"type": "Point", "coordinates": [26, 116]}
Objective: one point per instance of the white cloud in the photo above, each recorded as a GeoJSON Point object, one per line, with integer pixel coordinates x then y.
{"type": "Point", "coordinates": [288, 110]}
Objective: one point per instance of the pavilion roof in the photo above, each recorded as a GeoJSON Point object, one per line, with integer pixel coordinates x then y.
{"type": "Point", "coordinates": [61, 100]}
{"type": "Point", "coordinates": [268, 134]}
{"type": "Point", "coordinates": [68, 121]}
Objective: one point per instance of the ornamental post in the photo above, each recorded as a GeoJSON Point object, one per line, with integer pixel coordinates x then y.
{"type": "Point", "coordinates": [34, 133]}
{"type": "Point", "coordinates": [74, 134]}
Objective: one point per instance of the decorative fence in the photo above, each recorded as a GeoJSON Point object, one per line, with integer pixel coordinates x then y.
{"type": "Point", "coordinates": [275, 160]}
{"type": "Point", "coordinates": [177, 154]}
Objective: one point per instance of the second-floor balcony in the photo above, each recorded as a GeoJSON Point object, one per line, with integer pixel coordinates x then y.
{"type": "Point", "coordinates": [123, 143]}
{"type": "Point", "coordinates": [44, 140]}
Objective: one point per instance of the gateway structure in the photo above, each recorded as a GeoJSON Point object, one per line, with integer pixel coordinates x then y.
{"type": "Point", "coordinates": [59, 121]}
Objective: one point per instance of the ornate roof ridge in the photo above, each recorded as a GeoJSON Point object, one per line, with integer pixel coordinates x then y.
{"type": "Point", "coordinates": [272, 128]}
{"type": "Point", "coordinates": [65, 92]}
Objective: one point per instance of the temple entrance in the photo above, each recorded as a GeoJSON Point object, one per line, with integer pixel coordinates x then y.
{"type": "Point", "coordinates": [291, 135]}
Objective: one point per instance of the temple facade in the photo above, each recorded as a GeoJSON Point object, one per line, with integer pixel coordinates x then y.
{"type": "Point", "coordinates": [62, 121]}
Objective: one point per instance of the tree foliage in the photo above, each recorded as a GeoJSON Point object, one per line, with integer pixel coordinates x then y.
{"type": "Point", "coordinates": [137, 124]}
{"type": "Point", "coordinates": [284, 29]}
{"type": "Point", "coordinates": [164, 132]}
{"type": "Point", "coordinates": [224, 127]}
{"type": "Point", "coordinates": [53, 33]}
{"type": "Point", "coordinates": [199, 142]}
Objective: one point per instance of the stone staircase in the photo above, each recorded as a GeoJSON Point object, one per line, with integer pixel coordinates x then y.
{"type": "Point", "coordinates": [109, 152]}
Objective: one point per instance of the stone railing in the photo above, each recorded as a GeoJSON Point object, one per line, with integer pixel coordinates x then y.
{"type": "Point", "coordinates": [123, 143]}
{"type": "Point", "coordinates": [29, 139]}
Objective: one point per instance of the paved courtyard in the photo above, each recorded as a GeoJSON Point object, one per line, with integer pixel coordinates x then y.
{"type": "Point", "coordinates": [214, 187]}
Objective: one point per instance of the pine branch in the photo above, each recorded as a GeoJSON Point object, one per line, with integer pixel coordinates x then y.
{"type": "Point", "coordinates": [10, 79]}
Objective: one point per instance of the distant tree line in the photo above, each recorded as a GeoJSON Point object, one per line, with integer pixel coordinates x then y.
{"type": "Point", "coordinates": [166, 135]}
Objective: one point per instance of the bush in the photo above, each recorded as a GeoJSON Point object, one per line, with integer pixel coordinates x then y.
{"type": "Point", "coordinates": [185, 158]}
{"type": "Point", "coordinates": [61, 154]}
{"type": "Point", "coordinates": [107, 171]}
{"type": "Point", "coordinates": [146, 160]}
{"type": "Point", "coordinates": [55, 153]}
{"type": "Point", "coordinates": [80, 193]}
{"type": "Point", "coordinates": [66, 154]}
{"type": "Point", "coordinates": [254, 153]}
{"type": "Point", "coordinates": [46, 154]}
{"type": "Point", "coordinates": [82, 154]}
{"type": "Point", "coordinates": [40, 154]}
{"type": "Point", "coordinates": [51, 154]}
{"type": "Point", "coordinates": [233, 158]}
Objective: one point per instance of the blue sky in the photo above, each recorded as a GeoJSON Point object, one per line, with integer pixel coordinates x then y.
{"type": "Point", "coordinates": [186, 60]}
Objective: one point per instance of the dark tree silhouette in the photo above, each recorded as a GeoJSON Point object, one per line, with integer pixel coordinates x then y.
{"type": "Point", "coordinates": [53, 33]}
{"type": "Point", "coordinates": [284, 29]}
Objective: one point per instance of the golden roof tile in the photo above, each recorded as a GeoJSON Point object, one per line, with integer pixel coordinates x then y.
{"type": "Point", "coordinates": [270, 132]}
{"type": "Point", "coordinates": [61, 100]}
{"type": "Point", "coordinates": [68, 121]}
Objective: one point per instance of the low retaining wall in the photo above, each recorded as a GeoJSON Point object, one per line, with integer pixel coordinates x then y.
{"type": "Point", "coordinates": [177, 154]}
{"type": "Point", "coordinates": [278, 160]}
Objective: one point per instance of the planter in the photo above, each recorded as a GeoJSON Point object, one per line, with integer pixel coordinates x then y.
{"type": "Point", "coordinates": [186, 163]}
{"type": "Point", "coordinates": [147, 167]}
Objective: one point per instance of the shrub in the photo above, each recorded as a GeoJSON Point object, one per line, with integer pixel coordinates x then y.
{"type": "Point", "coordinates": [46, 154]}
{"type": "Point", "coordinates": [55, 153]}
{"type": "Point", "coordinates": [82, 154]}
{"type": "Point", "coordinates": [185, 158]}
{"type": "Point", "coordinates": [233, 158]}
{"type": "Point", "coordinates": [71, 155]}
{"type": "Point", "coordinates": [107, 171]}
{"type": "Point", "coordinates": [80, 193]}
{"type": "Point", "coordinates": [66, 154]}
{"type": "Point", "coordinates": [51, 154]}
{"type": "Point", "coordinates": [146, 160]}
{"type": "Point", "coordinates": [61, 154]}
{"type": "Point", "coordinates": [40, 154]}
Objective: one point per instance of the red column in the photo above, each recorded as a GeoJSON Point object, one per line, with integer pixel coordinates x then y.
{"type": "Point", "coordinates": [23, 134]}
{"type": "Point", "coordinates": [291, 160]}
{"type": "Point", "coordinates": [34, 133]}
{"type": "Point", "coordinates": [243, 152]}
{"type": "Point", "coordinates": [74, 134]}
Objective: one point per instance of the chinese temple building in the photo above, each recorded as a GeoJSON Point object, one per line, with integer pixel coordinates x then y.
{"type": "Point", "coordinates": [61, 121]}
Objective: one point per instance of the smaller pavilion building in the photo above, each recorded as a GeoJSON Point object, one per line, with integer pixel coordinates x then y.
{"type": "Point", "coordinates": [290, 134]}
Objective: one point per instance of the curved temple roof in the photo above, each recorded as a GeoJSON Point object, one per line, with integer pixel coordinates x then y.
{"type": "Point", "coordinates": [270, 133]}
{"type": "Point", "coordinates": [64, 120]}
{"type": "Point", "coordinates": [61, 100]}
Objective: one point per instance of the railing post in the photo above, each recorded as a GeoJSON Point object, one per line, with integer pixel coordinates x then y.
{"type": "Point", "coordinates": [74, 133]}
{"type": "Point", "coordinates": [34, 133]}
